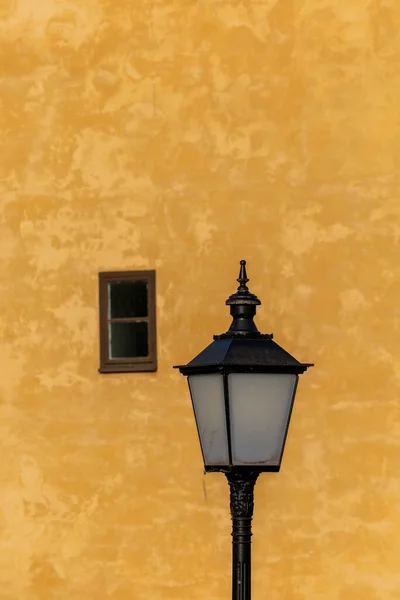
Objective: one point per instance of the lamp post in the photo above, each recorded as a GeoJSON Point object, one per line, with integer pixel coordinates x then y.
{"type": "Point", "coordinates": [242, 388]}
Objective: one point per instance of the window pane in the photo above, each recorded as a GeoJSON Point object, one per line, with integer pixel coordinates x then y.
{"type": "Point", "coordinates": [128, 340]}
{"type": "Point", "coordinates": [127, 299]}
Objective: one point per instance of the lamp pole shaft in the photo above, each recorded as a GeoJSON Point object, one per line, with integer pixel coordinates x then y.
{"type": "Point", "coordinates": [242, 505]}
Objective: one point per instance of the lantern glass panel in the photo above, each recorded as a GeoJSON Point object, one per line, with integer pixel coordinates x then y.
{"type": "Point", "coordinates": [207, 393]}
{"type": "Point", "coordinates": [260, 406]}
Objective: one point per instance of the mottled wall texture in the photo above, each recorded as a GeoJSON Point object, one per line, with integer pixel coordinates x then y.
{"type": "Point", "coordinates": [184, 135]}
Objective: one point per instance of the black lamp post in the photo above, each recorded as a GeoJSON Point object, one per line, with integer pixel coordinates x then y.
{"type": "Point", "coordinates": [242, 388]}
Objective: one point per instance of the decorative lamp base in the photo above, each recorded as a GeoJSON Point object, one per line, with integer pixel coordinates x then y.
{"type": "Point", "coordinates": [242, 504]}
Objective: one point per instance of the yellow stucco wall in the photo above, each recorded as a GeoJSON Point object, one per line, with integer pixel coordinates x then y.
{"type": "Point", "coordinates": [184, 135]}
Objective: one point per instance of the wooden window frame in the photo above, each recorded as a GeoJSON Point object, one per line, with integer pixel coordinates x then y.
{"type": "Point", "coordinates": [127, 365]}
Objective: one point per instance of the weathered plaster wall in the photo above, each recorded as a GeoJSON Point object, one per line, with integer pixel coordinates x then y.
{"type": "Point", "coordinates": [184, 135]}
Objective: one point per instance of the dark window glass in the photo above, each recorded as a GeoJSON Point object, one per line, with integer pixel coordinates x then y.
{"type": "Point", "coordinates": [128, 340]}
{"type": "Point", "coordinates": [127, 299]}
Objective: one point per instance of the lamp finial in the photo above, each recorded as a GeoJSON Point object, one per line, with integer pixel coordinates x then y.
{"type": "Point", "coordinates": [242, 294]}
{"type": "Point", "coordinates": [242, 308]}
{"type": "Point", "coordinates": [242, 279]}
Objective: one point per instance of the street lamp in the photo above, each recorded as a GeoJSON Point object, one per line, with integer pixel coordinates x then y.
{"type": "Point", "coordinates": [242, 388]}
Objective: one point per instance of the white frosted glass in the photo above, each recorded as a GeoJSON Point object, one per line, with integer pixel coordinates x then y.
{"type": "Point", "coordinates": [207, 393]}
{"type": "Point", "coordinates": [260, 406]}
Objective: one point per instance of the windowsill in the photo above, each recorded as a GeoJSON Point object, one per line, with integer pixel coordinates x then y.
{"type": "Point", "coordinates": [128, 367]}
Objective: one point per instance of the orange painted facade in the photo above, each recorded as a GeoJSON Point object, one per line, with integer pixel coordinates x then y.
{"type": "Point", "coordinates": [182, 136]}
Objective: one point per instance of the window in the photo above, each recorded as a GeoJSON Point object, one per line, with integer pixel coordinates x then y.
{"type": "Point", "coordinates": [127, 321]}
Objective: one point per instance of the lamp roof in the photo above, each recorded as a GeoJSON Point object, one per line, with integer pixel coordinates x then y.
{"type": "Point", "coordinates": [243, 354]}
{"type": "Point", "coordinates": [243, 347]}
